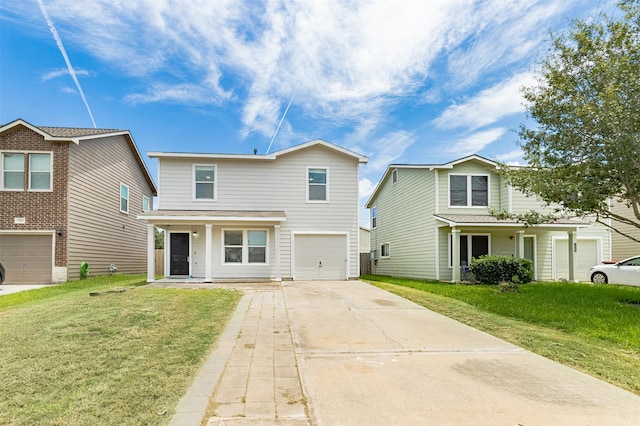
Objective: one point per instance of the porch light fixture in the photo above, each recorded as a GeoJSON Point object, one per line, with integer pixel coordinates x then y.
{"type": "Point", "coordinates": [59, 231]}
{"type": "Point", "coordinates": [195, 234]}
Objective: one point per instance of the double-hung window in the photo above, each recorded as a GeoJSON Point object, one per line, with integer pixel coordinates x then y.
{"type": "Point", "coordinates": [374, 217]}
{"type": "Point", "coordinates": [145, 203]}
{"type": "Point", "coordinates": [245, 246]}
{"type": "Point", "coordinates": [13, 171]}
{"type": "Point", "coordinates": [204, 182]}
{"type": "Point", "coordinates": [124, 198]}
{"type": "Point", "coordinates": [468, 190]}
{"type": "Point", "coordinates": [40, 172]}
{"type": "Point", "coordinates": [317, 184]}
{"type": "Point", "coordinates": [384, 250]}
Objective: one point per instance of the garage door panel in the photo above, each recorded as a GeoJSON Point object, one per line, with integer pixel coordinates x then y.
{"type": "Point", "coordinates": [586, 257]}
{"type": "Point", "coordinates": [27, 259]}
{"type": "Point", "coordinates": [320, 257]}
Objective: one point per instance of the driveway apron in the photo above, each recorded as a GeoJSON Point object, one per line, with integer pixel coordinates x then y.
{"type": "Point", "coordinates": [369, 357]}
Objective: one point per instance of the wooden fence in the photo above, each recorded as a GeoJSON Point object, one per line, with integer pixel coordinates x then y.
{"type": "Point", "coordinates": [365, 263]}
{"type": "Point", "coordinates": [159, 256]}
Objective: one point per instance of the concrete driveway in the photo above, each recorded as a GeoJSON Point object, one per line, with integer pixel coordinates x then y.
{"type": "Point", "coordinates": [347, 353]}
{"type": "Point", "coordinates": [15, 288]}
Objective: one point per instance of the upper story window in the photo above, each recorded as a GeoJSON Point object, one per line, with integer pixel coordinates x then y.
{"type": "Point", "coordinates": [124, 198]}
{"type": "Point", "coordinates": [245, 246]}
{"type": "Point", "coordinates": [40, 172]}
{"type": "Point", "coordinates": [145, 203]}
{"type": "Point", "coordinates": [394, 176]}
{"type": "Point", "coordinates": [13, 170]}
{"type": "Point", "coordinates": [468, 190]}
{"type": "Point", "coordinates": [317, 183]}
{"type": "Point", "coordinates": [204, 182]}
{"type": "Point", "coordinates": [374, 217]}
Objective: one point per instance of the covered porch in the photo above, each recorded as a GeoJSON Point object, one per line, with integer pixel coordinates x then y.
{"type": "Point", "coordinates": [216, 246]}
{"type": "Point", "coordinates": [469, 236]}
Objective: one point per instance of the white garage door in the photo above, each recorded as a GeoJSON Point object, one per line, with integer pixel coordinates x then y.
{"type": "Point", "coordinates": [320, 257]}
{"type": "Point", "coordinates": [586, 257]}
{"type": "Point", "coordinates": [26, 258]}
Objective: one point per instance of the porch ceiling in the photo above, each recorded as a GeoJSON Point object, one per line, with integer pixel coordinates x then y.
{"type": "Point", "coordinates": [493, 222]}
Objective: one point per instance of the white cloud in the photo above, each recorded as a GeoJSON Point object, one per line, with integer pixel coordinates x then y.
{"type": "Point", "coordinates": [387, 148]}
{"type": "Point", "coordinates": [511, 157]}
{"type": "Point", "coordinates": [365, 188]}
{"type": "Point", "coordinates": [62, 72]}
{"type": "Point", "coordinates": [488, 106]}
{"type": "Point", "coordinates": [476, 142]}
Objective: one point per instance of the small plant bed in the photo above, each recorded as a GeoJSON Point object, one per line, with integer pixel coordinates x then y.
{"type": "Point", "coordinates": [123, 358]}
{"type": "Point", "coordinates": [593, 328]}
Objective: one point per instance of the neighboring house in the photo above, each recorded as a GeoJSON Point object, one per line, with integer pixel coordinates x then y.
{"type": "Point", "coordinates": [69, 195]}
{"type": "Point", "coordinates": [621, 246]}
{"type": "Point", "coordinates": [365, 240]}
{"type": "Point", "coordinates": [429, 221]}
{"type": "Point", "coordinates": [292, 214]}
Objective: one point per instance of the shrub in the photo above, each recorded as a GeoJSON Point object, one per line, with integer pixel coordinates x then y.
{"type": "Point", "coordinates": [496, 269]}
{"type": "Point", "coordinates": [84, 270]}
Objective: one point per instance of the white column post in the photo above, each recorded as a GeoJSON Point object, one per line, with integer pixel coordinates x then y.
{"type": "Point", "coordinates": [151, 253]}
{"type": "Point", "coordinates": [276, 243]}
{"type": "Point", "coordinates": [520, 244]}
{"type": "Point", "coordinates": [573, 248]}
{"type": "Point", "coordinates": [455, 254]}
{"type": "Point", "coordinates": [208, 240]}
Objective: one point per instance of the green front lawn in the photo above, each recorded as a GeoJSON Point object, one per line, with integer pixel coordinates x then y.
{"type": "Point", "coordinates": [115, 358]}
{"type": "Point", "coordinates": [594, 328]}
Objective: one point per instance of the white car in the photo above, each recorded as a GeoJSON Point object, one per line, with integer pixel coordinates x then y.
{"type": "Point", "coordinates": [624, 272]}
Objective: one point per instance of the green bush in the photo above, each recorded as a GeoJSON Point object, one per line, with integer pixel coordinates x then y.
{"type": "Point", "coordinates": [496, 269]}
{"type": "Point", "coordinates": [84, 270]}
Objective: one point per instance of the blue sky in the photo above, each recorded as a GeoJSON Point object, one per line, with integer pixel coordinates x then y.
{"type": "Point", "coordinates": [416, 81]}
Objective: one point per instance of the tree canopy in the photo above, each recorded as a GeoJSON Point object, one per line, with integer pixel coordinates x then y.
{"type": "Point", "coordinates": [584, 150]}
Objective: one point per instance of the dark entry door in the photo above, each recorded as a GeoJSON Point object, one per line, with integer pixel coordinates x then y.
{"type": "Point", "coordinates": [179, 254]}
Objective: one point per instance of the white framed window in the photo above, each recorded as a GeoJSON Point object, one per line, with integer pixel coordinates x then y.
{"type": "Point", "coordinates": [245, 246]}
{"type": "Point", "coordinates": [468, 190]}
{"type": "Point", "coordinates": [40, 172]}
{"type": "Point", "coordinates": [374, 217]}
{"type": "Point", "coordinates": [384, 250]}
{"type": "Point", "coordinates": [204, 182]}
{"type": "Point", "coordinates": [124, 198]}
{"type": "Point", "coordinates": [394, 176]}
{"type": "Point", "coordinates": [145, 203]}
{"type": "Point", "coordinates": [471, 245]}
{"type": "Point", "coordinates": [317, 184]}
{"type": "Point", "coordinates": [12, 171]}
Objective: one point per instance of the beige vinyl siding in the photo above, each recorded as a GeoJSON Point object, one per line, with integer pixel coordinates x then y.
{"type": "Point", "coordinates": [405, 221]}
{"type": "Point", "coordinates": [97, 231]}
{"type": "Point", "coordinates": [278, 185]}
{"type": "Point", "coordinates": [623, 247]}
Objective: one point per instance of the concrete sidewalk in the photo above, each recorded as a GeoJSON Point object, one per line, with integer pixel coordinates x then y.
{"type": "Point", "coordinates": [346, 353]}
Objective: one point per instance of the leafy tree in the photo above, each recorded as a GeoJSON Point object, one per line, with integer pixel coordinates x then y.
{"type": "Point", "coordinates": [585, 149]}
{"type": "Point", "coordinates": [159, 238]}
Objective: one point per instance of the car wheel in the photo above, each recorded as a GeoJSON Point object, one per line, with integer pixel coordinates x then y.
{"type": "Point", "coordinates": [599, 278]}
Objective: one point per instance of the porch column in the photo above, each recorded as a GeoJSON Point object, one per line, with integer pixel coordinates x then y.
{"type": "Point", "coordinates": [151, 253]}
{"type": "Point", "coordinates": [573, 248]}
{"type": "Point", "coordinates": [520, 244]}
{"type": "Point", "coordinates": [455, 255]}
{"type": "Point", "coordinates": [207, 252]}
{"type": "Point", "coordinates": [276, 243]}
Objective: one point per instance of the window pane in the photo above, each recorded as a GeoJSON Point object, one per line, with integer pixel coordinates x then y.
{"type": "Point", "coordinates": [232, 238]}
{"type": "Point", "coordinates": [317, 175]}
{"type": "Point", "coordinates": [13, 180]}
{"type": "Point", "coordinates": [40, 162]}
{"type": "Point", "coordinates": [145, 204]}
{"type": "Point", "coordinates": [124, 204]}
{"type": "Point", "coordinates": [204, 191]}
{"type": "Point", "coordinates": [458, 190]}
{"type": "Point", "coordinates": [464, 250]}
{"type": "Point", "coordinates": [233, 254]}
{"type": "Point", "coordinates": [124, 191]}
{"type": "Point", "coordinates": [317, 192]}
{"type": "Point", "coordinates": [257, 255]}
{"type": "Point", "coordinates": [13, 162]}
{"type": "Point", "coordinates": [479, 245]}
{"type": "Point", "coordinates": [479, 191]}
{"type": "Point", "coordinates": [40, 180]}
{"type": "Point", "coordinates": [205, 174]}
{"type": "Point", "coordinates": [257, 238]}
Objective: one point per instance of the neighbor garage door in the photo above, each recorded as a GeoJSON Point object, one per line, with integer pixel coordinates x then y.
{"type": "Point", "coordinates": [586, 257]}
{"type": "Point", "coordinates": [26, 258]}
{"type": "Point", "coordinates": [320, 257]}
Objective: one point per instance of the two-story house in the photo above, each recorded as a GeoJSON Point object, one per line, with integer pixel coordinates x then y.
{"type": "Point", "coordinates": [621, 246]}
{"type": "Point", "coordinates": [291, 214]}
{"type": "Point", "coordinates": [429, 220]}
{"type": "Point", "coordinates": [69, 195]}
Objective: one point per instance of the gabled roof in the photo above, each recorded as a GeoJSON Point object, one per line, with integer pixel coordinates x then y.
{"type": "Point", "coordinates": [77, 134]}
{"type": "Point", "coordinates": [429, 167]}
{"type": "Point", "coordinates": [262, 157]}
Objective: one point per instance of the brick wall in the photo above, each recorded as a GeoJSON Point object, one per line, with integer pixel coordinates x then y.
{"type": "Point", "coordinates": [42, 210]}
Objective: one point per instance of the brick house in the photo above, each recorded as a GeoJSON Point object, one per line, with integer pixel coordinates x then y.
{"type": "Point", "coordinates": [69, 195]}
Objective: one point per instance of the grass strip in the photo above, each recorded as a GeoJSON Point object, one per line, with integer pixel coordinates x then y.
{"type": "Point", "coordinates": [585, 348]}
{"type": "Point", "coordinates": [117, 358]}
